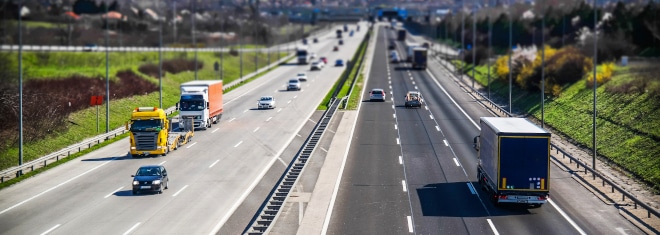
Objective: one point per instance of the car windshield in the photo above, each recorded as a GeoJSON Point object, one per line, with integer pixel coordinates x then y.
{"type": "Point", "coordinates": [302, 74]}
{"type": "Point", "coordinates": [377, 92]}
{"type": "Point", "coordinates": [191, 105]}
{"type": "Point", "coordinates": [293, 81]}
{"type": "Point", "coordinates": [148, 171]}
{"type": "Point", "coordinates": [266, 98]}
{"type": "Point", "coordinates": [146, 126]}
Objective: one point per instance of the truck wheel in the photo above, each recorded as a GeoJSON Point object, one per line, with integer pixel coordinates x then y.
{"type": "Point", "coordinates": [167, 149]}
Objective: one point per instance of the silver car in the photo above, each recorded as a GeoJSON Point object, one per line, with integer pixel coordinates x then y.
{"type": "Point", "coordinates": [293, 85]}
{"type": "Point", "coordinates": [377, 94]}
{"type": "Point", "coordinates": [266, 102]}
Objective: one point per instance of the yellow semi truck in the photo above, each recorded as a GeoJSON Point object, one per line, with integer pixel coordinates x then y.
{"type": "Point", "coordinates": [152, 134]}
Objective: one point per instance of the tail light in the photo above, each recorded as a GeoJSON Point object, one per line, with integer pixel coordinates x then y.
{"type": "Point", "coordinates": [543, 198]}
{"type": "Point", "coordinates": [503, 197]}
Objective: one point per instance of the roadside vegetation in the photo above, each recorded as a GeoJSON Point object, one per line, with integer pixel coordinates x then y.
{"type": "Point", "coordinates": [628, 120]}
{"type": "Point", "coordinates": [58, 87]}
{"type": "Point", "coordinates": [349, 73]}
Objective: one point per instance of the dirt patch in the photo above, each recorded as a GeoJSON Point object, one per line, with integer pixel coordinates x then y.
{"type": "Point", "coordinates": [171, 66]}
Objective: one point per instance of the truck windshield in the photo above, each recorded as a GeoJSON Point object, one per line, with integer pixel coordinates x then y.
{"type": "Point", "coordinates": [301, 53]}
{"type": "Point", "coordinates": [191, 105]}
{"type": "Point", "coordinates": [146, 125]}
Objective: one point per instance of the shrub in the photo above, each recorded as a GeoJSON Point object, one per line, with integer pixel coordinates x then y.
{"type": "Point", "coordinates": [567, 66]}
{"type": "Point", "coordinates": [502, 67]}
{"type": "Point", "coordinates": [605, 75]}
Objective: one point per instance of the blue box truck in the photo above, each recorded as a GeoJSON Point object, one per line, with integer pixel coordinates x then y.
{"type": "Point", "coordinates": [513, 161]}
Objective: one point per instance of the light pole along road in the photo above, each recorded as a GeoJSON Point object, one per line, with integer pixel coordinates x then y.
{"type": "Point", "coordinates": [414, 170]}
{"type": "Point", "coordinates": [209, 178]}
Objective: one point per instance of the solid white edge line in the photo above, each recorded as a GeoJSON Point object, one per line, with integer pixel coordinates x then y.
{"type": "Point", "coordinates": [132, 228]}
{"type": "Point", "coordinates": [563, 214]}
{"type": "Point", "coordinates": [403, 183]}
{"type": "Point", "coordinates": [239, 143]}
{"type": "Point", "coordinates": [470, 186]}
{"type": "Point", "coordinates": [51, 229]}
{"type": "Point", "coordinates": [492, 226]}
{"type": "Point", "coordinates": [191, 145]}
{"type": "Point", "coordinates": [328, 215]}
{"type": "Point", "coordinates": [113, 192]}
{"type": "Point", "coordinates": [400, 160]}
{"type": "Point", "coordinates": [256, 129]}
{"type": "Point", "coordinates": [163, 162]}
{"type": "Point", "coordinates": [180, 190]}
{"type": "Point", "coordinates": [456, 162]}
{"type": "Point", "coordinates": [54, 187]}
{"type": "Point", "coordinates": [213, 164]}
{"type": "Point", "coordinates": [410, 225]}
{"type": "Point", "coordinates": [450, 98]}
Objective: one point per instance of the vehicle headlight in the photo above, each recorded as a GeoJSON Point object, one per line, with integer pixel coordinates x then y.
{"type": "Point", "coordinates": [135, 182]}
{"type": "Point", "coordinates": [155, 182]}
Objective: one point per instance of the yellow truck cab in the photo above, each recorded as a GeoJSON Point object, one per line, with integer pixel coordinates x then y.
{"type": "Point", "coordinates": [151, 134]}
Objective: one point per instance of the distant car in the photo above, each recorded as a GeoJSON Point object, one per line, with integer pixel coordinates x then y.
{"type": "Point", "coordinates": [392, 46]}
{"type": "Point", "coordinates": [294, 84]}
{"type": "Point", "coordinates": [341, 42]}
{"type": "Point", "coordinates": [350, 34]}
{"type": "Point", "coordinates": [395, 58]}
{"type": "Point", "coordinates": [266, 102]}
{"type": "Point", "coordinates": [302, 77]}
{"type": "Point", "coordinates": [377, 94]}
{"type": "Point", "coordinates": [315, 40]}
{"type": "Point", "coordinates": [317, 65]}
{"type": "Point", "coordinates": [313, 55]}
{"type": "Point", "coordinates": [336, 48]}
{"type": "Point", "coordinates": [325, 60]}
{"type": "Point", "coordinates": [339, 63]}
{"type": "Point", "coordinates": [152, 178]}
{"type": "Point", "coordinates": [413, 99]}
{"type": "Point", "coordinates": [304, 41]}
{"type": "Point", "coordinates": [90, 47]}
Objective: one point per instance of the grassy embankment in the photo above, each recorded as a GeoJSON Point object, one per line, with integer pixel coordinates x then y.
{"type": "Point", "coordinates": [628, 123]}
{"type": "Point", "coordinates": [357, 58]}
{"type": "Point", "coordinates": [64, 64]}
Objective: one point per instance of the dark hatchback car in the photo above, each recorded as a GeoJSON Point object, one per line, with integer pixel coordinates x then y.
{"type": "Point", "coordinates": [152, 178]}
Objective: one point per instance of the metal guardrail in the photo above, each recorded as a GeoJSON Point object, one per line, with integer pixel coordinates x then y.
{"type": "Point", "coordinates": [625, 194]}
{"type": "Point", "coordinates": [270, 208]}
{"type": "Point", "coordinates": [283, 47]}
{"type": "Point", "coordinates": [17, 171]}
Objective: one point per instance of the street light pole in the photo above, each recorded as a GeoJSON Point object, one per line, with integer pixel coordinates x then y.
{"type": "Point", "coordinates": [107, 74]}
{"type": "Point", "coordinates": [474, 44]}
{"type": "Point", "coordinates": [542, 71]}
{"type": "Point", "coordinates": [20, 88]}
{"type": "Point", "coordinates": [490, 42]}
{"type": "Point", "coordinates": [593, 160]}
{"type": "Point", "coordinates": [160, 60]}
{"type": "Point", "coordinates": [193, 34]}
{"type": "Point", "coordinates": [510, 55]}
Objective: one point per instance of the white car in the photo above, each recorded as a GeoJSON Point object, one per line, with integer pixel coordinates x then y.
{"type": "Point", "coordinates": [266, 102]}
{"type": "Point", "coordinates": [302, 77]}
{"type": "Point", "coordinates": [377, 94]}
{"type": "Point", "coordinates": [316, 65]}
{"type": "Point", "coordinates": [293, 85]}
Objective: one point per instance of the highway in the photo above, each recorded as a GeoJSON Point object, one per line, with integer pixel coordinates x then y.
{"type": "Point", "coordinates": [210, 178]}
{"type": "Point", "coordinates": [414, 170]}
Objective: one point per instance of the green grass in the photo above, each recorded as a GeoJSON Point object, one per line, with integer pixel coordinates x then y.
{"type": "Point", "coordinates": [37, 24]}
{"type": "Point", "coordinates": [354, 99]}
{"type": "Point", "coordinates": [628, 124]}
{"type": "Point", "coordinates": [357, 57]}
{"type": "Point", "coordinates": [83, 123]}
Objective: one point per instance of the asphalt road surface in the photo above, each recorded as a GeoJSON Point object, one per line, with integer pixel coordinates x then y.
{"type": "Point", "coordinates": [209, 178]}
{"type": "Point", "coordinates": [414, 170]}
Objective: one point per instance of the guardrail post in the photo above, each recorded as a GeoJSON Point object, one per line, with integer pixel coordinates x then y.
{"type": "Point", "coordinates": [45, 163]}
{"type": "Point", "coordinates": [2, 180]}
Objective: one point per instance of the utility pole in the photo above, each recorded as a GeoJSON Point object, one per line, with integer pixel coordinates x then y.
{"type": "Point", "coordinates": [542, 70]}
{"type": "Point", "coordinates": [160, 60]}
{"type": "Point", "coordinates": [194, 11]}
{"type": "Point", "coordinates": [474, 44]}
{"type": "Point", "coordinates": [490, 44]}
{"type": "Point", "coordinates": [510, 55]}
{"type": "Point", "coordinates": [107, 73]}
{"type": "Point", "coordinates": [20, 88]}
{"type": "Point", "coordinates": [593, 160]}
